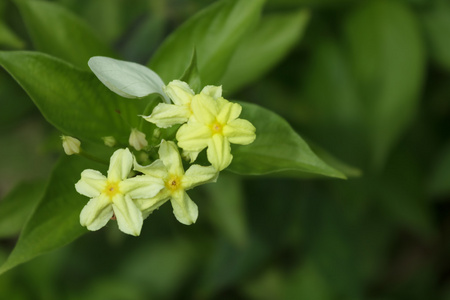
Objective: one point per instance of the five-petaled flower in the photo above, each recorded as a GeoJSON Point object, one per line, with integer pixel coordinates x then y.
{"type": "Point", "coordinates": [214, 124]}
{"type": "Point", "coordinates": [165, 115]}
{"type": "Point", "coordinates": [170, 170]}
{"type": "Point", "coordinates": [115, 195]}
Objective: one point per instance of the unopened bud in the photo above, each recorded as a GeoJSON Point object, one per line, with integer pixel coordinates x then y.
{"type": "Point", "coordinates": [71, 145]}
{"type": "Point", "coordinates": [109, 141]}
{"type": "Point", "coordinates": [157, 133]}
{"type": "Point", "coordinates": [137, 139]}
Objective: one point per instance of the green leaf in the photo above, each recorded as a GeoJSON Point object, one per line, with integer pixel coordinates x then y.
{"type": "Point", "coordinates": [17, 205]}
{"type": "Point", "coordinates": [387, 55]}
{"type": "Point", "coordinates": [290, 3]}
{"type": "Point", "coordinates": [175, 259]}
{"type": "Point", "coordinates": [57, 31]}
{"type": "Point", "coordinates": [437, 28]}
{"type": "Point", "coordinates": [214, 32]}
{"type": "Point", "coordinates": [330, 106]}
{"type": "Point", "coordinates": [74, 101]}
{"type": "Point", "coordinates": [277, 148]}
{"type": "Point", "coordinates": [192, 76]}
{"type": "Point", "coordinates": [264, 47]}
{"type": "Point", "coordinates": [55, 221]}
{"type": "Point", "coordinates": [8, 38]}
{"type": "Point", "coordinates": [327, 227]}
{"type": "Point", "coordinates": [439, 184]}
{"type": "Point", "coordinates": [226, 209]}
{"type": "Point", "coordinates": [308, 282]}
{"type": "Point", "coordinates": [329, 159]}
{"type": "Point", "coordinates": [145, 37]}
{"type": "Point", "coordinates": [15, 102]}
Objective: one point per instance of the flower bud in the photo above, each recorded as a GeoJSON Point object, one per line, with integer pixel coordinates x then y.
{"type": "Point", "coordinates": [137, 139]}
{"type": "Point", "coordinates": [71, 145]}
{"type": "Point", "coordinates": [109, 141]}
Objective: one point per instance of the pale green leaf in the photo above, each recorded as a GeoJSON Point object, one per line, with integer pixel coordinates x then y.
{"type": "Point", "coordinates": [214, 32]}
{"type": "Point", "coordinates": [127, 79]}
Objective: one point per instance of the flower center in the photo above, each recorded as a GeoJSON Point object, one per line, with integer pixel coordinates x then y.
{"type": "Point", "coordinates": [112, 188]}
{"type": "Point", "coordinates": [173, 183]}
{"type": "Point", "coordinates": [216, 127]}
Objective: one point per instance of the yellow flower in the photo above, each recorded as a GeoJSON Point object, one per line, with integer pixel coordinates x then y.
{"type": "Point", "coordinates": [165, 115]}
{"type": "Point", "coordinates": [116, 194]}
{"type": "Point", "coordinates": [170, 170]}
{"type": "Point", "coordinates": [214, 125]}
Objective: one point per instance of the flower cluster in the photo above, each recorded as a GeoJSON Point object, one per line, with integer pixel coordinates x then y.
{"type": "Point", "coordinates": [208, 121]}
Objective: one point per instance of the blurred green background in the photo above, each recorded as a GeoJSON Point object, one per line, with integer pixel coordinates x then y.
{"type": "Point", "coordinates": [367, 81]}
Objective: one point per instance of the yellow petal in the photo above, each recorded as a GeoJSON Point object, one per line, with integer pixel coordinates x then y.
{"type": "Point", "coordinates": [190, 155]}
{"type": "Point", "coordinates": [179, 92]}
{"type": "Point", "coordinates": [197, 175]}
{"type": "Point", "coordinates": [168, 153]}
{"type": "Point", "coordinates": [219, 152]}
{"type": "Point", "coordinates": [165, 115]}
{"type": "Point", "coordinates": [193, 136]}
{"type": "Point", "coordinates": [204, 108]}
{"type": "Point", "coordinates": [155, 169]}
{"type": "Point", "coordinates": [120, 165]}
{"type": "Point", "coordinates": [240, 131]}
{"type": "Point", "coordinates": [129, 217]}
{"type": "Point", "coordinates": [91, 184]}
{"type": "Point", "coordinates": [184, 209]}
{"type": "Point", "coordinates": [147, 206]}
{"type": "Point", "coordinates": [144, 186]}
{"type": "Point", "coordinates": [228, 111]}
{"type": "Point", "coordinates": [212, 91]}
{"type": "Point", "coordinates": [96, 213]}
